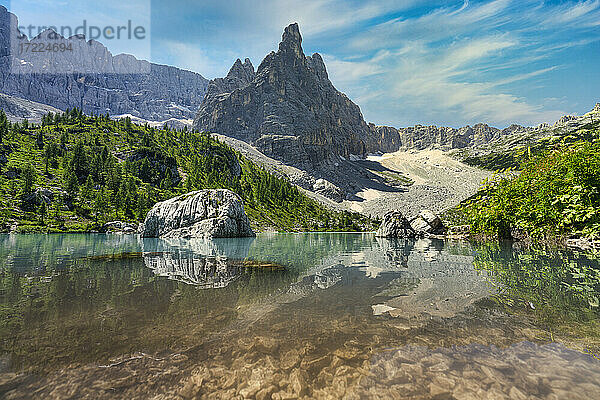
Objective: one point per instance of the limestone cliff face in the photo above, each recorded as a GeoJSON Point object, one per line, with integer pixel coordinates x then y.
{"type": "Point", "coordinates": [289, 108]}
{"type": "Point", "coordinates": [419, 137]}
{"type": "Point", "coordinates": [98, 82]}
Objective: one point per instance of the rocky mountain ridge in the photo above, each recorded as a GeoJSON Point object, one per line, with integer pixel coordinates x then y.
{"type": "Point", "coordinates": [388, 139]}
{"type": "Point", "coordinates": [92, 79]}
{"type": "Point", "coordinates": [288, 108]}
{"type": "Point", "coordinates": [290, 111]}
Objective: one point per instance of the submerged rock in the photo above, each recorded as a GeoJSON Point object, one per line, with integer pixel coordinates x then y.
{"type": "Point", "coordinates": [120, 227]}
{"type": "Point", "coordinates": [395, 225]}
{"type": "Point", "coordinates": [206, 213]}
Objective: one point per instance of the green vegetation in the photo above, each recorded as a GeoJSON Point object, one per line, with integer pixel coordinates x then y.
{"type": "Point", "coordinates": [557, 194]}
{"type": "Point", "coordinates": [73, 173]}
{"type": "Point", "coordinates": [517, 157]}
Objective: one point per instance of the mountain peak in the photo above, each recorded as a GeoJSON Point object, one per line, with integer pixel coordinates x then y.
{"type": "Point", "coordinates": [244, 71]}
{"type": "Point", "coordinates": [291, 40]}
{"type": "Point", "coordinates": [290, 110]}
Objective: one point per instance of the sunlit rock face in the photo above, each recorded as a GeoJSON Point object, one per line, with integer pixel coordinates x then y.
{"type": "Point", "coordinates": [201, 214]}
{"type": "Point", "coordinates": [427, 222]}
{"type": "Point", "coordinates": [17, 109]}
{"type": "Point", "coordinates": [288, 108]}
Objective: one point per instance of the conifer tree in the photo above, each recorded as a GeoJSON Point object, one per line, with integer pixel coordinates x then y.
{"type": "Point", "coordinates": [3, 125]}
{"type": "Point", "coordinates": [29, 179]}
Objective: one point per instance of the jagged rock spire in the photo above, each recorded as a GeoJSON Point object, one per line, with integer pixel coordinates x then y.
{"type": "Point", "coordinates": [290, 110]}
{"type": "Point", "coordinates": [243, 72]}
{"type": "Point", "coordinates": [291, 41]}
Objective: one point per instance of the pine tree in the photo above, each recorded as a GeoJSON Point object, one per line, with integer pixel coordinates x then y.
{"type": "Point", "coordinates": [3, 125]}
{"type": "Point", "coordinates": [71, 184]}
{"type": "Point", "coordinates": [127, 124]}
{"type": "Point", "coordinates": [29, 178]}
{"type": "Point", "coordinates": [51, 151]}
{"type": "Point", "coordinates": [79, 164]}
{"type": "Point", "coordinates": [141, 206]}
{"type": "Point", "coordinates": [87, 190]}
{"type": "Point", "coordinates": [100, 204]}
{"type": "Point", "coordinates": [42, 211]}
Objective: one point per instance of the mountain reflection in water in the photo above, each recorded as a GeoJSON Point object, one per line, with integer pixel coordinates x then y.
{"type": "Point", "coordinates": [282, 316]}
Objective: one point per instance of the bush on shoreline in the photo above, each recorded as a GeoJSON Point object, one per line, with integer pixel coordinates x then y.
{"type": "Point", "coordinates": [557, 194]}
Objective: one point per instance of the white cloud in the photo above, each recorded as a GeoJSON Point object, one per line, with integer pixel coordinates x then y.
{"type": "Point", "coordinates": [192, 57]}
{"type": "Point", "coordinates": [348, 72]}
{"type": "Point", "coordinates": [463, 62]}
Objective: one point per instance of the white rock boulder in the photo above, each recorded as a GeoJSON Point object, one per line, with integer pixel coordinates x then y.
{"type": "Point", "coordinates": [217, 213]}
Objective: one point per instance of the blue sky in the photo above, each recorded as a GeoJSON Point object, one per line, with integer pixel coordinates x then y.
{"type": "Point", "coordinates": [404, 62]}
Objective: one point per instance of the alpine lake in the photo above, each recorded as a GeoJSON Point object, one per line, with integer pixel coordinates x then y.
{"type": "Point", "coordinates": [285, 316]}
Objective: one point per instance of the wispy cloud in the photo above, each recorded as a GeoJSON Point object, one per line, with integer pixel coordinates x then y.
{"type": "Point", "coordinates": [465, 60]}
{"type": "Point", "coordinates": [405, 62]}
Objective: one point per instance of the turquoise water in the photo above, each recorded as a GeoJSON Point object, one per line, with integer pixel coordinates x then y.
{"type": "Point", "coordinates": [293, 316]}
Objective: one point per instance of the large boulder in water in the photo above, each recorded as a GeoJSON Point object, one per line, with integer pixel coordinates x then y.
{"type": "Point", "coordinates": [395, 225]}
{"type": "Point", "coordinates": [427, 222]}
{"type": "Point", "coordinates": [203, 214]}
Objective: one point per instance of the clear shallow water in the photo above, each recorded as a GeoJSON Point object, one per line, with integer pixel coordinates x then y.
{"type": "Point", "coordinates": [283, 316]}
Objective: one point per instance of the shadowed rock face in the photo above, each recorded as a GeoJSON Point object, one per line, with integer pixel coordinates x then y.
{"type": "Point", "coordinates": [395, 225]}
{"type": "Point", "coordinates": [288, 109]}
{"type": "Point", "coordinates": [118, 84]}
{"type": "Point", "coordinates": [205, 213]}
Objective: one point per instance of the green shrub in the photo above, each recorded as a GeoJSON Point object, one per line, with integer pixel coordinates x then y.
{"type": "Point", "coordinates": [558, 193]}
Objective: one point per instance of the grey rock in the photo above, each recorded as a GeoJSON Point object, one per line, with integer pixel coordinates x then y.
{"type": "Point", "coordinates": [328, 189]}
{"type": "Point", "coordinates": [120, 227]}
{"type": "Point", "coordinates": [480, 139]}
{"type": "Point", "coordinates": [17, 109]}
{"type": "Point", "coordinates": [427, 222]}
{"type": "Point", "coordinates": [39, 196]}
{"type": "Point", "coordinates": [288, 109]}
{"type": "Point", "coordinates": [94, 80]}
{"type": "Point", "coordinates": [419, 137]}
{"type": "Point", "coordinates": [395, 225]}
{"type": "Point", "coordinates": [206, 213]}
